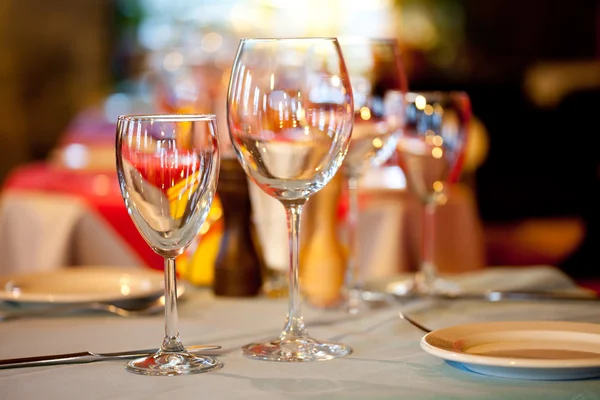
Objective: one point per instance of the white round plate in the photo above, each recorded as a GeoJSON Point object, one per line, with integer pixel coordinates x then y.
{"type": "Point", "coordinates": [82, 284]}
{"type": "Point", "coordinates": [543, 350]}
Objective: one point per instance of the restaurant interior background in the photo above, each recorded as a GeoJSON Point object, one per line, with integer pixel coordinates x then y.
{"type": "Point", "coordinates": [532, 69]}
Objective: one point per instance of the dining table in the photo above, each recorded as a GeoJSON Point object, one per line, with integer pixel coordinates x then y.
{"type": "Point", "coordinates": [67, 212]}
{"type": "Point", "coordinates": [387, 361]}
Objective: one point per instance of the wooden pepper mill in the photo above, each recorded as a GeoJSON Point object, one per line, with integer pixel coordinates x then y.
{"type": "Point", "coordinates": [238, 266]}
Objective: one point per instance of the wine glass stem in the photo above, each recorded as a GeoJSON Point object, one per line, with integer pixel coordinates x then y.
{"type": "Point", "coordinates": [294, 326]}
{"type": "Point", "coordinates": [352, 282]}
{"type": "Point", "coordinates": [171, 342]}
{"type": "Point", "coordinates": [428, 271]}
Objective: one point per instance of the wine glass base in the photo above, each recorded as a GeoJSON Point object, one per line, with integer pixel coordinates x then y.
{"type": "Point", "coordinates": [436, 286]}
{"type": "Point", "coordinates": [416, 286]}
{"type": "Point", "coordinates": [295, 350]}
{"type": "Point", "coordinates": [365, 303]}
{"type": "Point", "coordinates": [355, 308]}
{"type": "Point", "coordinates": [170, 364]}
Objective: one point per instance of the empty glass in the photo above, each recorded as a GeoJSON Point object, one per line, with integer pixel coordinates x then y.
{"type": "Point", "coordinates": [376, 72]}
{"type": "Point", "coordinates": [168, 167]}
{"type": "Point", "coordinates": [431, 153]}
{"type": "Point", "coordinates": [290, 114]}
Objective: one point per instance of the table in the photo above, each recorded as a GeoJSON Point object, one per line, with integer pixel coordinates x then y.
{"type": "Point", "coordinates": [387, 362]}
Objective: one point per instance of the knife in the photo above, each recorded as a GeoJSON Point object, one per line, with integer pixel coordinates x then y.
{"type": "Point", "coordinates": [524, 295]}
{"type": "Point", "coordinates": [491, 296]}
{"type": "Point", "coordinates": [85, 357]}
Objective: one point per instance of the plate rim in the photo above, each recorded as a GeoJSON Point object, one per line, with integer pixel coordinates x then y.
{"type": "Point", "coordinates": [83, 298]}
{"type": "Point", "coordinates": [509, 362]}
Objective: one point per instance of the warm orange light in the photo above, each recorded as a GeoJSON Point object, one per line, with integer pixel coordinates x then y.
{"type": "Point", "coordinates": [365, 113]}
{"type": "Point", "coordinates": [441, 199]}
{"type": "Point", "coordinates": [420, 102]}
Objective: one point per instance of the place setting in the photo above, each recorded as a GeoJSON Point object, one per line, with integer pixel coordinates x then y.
{"type": "Point", "coordinates": [531, 350]}
{"type": "Point", "coordinates": [282, 207]}
{"type": "Point", "coordinates": [533, 324]}
{"type": "Point", "coordinates": [167, 165]}
{"type": "Point", "coordinates": [126, 292]}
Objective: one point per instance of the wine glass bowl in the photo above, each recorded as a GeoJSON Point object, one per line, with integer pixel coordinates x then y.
{"type": "Point", "coordinates": [167, 167]}
{"type": "Point", "coordinates": [377, 76]}
{"type": "Point", "coordinates": [166, 191]}
{"type": "Point", "coordinates": [433, 141]}
{"type": "Point", "coordinates": [290, 114]}
{"type": "Point", "coordinates": [376, 70]}
{"type": "Point", "coordinates": [431, 152]}
{"type": "Point", "coordinates": [291, 132]}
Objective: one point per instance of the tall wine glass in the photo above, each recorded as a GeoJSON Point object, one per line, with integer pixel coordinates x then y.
{"type": "Point", "coordinates": [376, 72]}
{"type": "Point", "coordinates": [168, 167]}
{"type": "Point", "coordinates": [431, 152]}
{"type": "Point", "coordinates": [290, 114]}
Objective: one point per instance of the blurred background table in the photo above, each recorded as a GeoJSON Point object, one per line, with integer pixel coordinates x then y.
{"type": "Point", "coordinates": [53, 217]}
{"type": "Point", "coordinates": [529, 81]}
{"type": "Point", "coordinates": [68, 211]}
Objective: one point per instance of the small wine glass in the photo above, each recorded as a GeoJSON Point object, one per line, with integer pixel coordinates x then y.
{"type": "Point", "coordinates": [431, 152]}
{"type": "Point", "coordinates": [290, 114]}
{"type": "Point", "coordinates": [168, 167]}
{"type": "Point", "coordinates": [376, 72]}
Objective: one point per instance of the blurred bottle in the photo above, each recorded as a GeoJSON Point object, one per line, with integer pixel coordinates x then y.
{"type": "Point", "coordinates": [237, 269]}
{"type": "Point", "coordinates": [268, 217]}
{"type": "Point", "coordinates": [197, 264]}
{"type": "Point", "coordinates": [323, 255]}
{"type": "Point", "coordinates": [178, 89]}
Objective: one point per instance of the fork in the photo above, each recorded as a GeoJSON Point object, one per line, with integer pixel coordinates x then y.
{"type": "Point", "coordinates": [135, 310]}
{"type": "Point", "coordinates": [414, 323]}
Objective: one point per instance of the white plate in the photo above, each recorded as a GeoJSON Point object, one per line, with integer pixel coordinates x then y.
{"type": "Point", "coordinates": [82, 284]}
{"type": "Point", "coordinates": [546, 350]}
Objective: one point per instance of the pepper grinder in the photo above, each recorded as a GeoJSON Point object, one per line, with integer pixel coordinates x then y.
{"type": "Point", "coordinates": [238, 265]}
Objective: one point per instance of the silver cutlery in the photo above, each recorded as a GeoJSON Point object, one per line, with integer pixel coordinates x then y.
{"type": "Point", "coordinates": [127, 308]}
{"type": "Point", "coordinates": [490, 296]}
{"type": "Point", "coordinates": [414, 323]}
{"type": "Point", "coordinates": [88, 357]}
{"type": "Point", "coordinates": [522, 295]}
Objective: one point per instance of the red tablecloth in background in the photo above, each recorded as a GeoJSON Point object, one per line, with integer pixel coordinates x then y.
{"type": "Point", "coordinates": [592, 284]}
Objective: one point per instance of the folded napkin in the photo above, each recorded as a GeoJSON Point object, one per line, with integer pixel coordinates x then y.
{"type": "Point", "coordinates": [541, 277]}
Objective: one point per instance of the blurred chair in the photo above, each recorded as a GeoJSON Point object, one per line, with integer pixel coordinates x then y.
{"type": "Point", "coordinates": [562, 230]}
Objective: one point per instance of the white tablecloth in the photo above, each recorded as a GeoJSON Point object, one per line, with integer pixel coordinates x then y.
{"type": "Point", "coordinates": [45, 231]}
{"type": "Point", "coordinates": [387, 362]}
